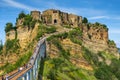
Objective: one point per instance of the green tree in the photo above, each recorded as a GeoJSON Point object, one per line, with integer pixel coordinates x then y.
{"type": "Point", "coordinates": [115, 67]}
{"type": "Point", "coordinates": [8, 27]}
{"type": "Point", "coordinates": [32, 24]}
{"type": "Point", "coordinates": [12, 45]}
{"type": "Point", "coordinates": [97, 24]}
{"type": "Point", "coordinates": [104, 73]}
{"type": "Point", "coordinates": [85, 20]}
{"type": "Point", "coordinates": [21, 15]}
{"type": "Point", "coordinates": [111, 42]}
{"type": "Point", "coordinates": [27, 21]}
{"type": "Point", "coordinates": [52, 29]}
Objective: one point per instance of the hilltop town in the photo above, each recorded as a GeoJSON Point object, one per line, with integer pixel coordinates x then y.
{"type": "Point", "coordinates": [55, 17]}
{"type": "Point", "coordinates": [92, 33]}
{"type": "Point", "coordinates": [72, 38]}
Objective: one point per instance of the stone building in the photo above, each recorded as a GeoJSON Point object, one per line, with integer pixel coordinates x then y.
{"type": "Point", "coordinates": [36, 15]}
{"type": "Point", "coordinates": [56, 17]}
{"type": "Point", "coordinates": [51, 16]}
{"type": "Point", "coordinates": [75, 20]}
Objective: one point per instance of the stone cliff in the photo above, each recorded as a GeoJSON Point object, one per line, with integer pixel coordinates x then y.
{"type": "Point", "coordinates": [24, 35]}
{"type": "Point", "coordinates": [94, 36]}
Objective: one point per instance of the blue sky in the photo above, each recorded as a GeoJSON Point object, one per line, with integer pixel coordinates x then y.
{"type": "Point", "coordinates": [103, 11]}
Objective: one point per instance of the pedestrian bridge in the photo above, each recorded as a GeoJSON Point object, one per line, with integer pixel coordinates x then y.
{"type": "Point", "coordinates": [30, 72]}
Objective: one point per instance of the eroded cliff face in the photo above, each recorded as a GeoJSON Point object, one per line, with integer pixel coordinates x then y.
{"type": "Point", "coordinates": [95, 38]}
{"type": "Point", "coordinates": [23, 34]}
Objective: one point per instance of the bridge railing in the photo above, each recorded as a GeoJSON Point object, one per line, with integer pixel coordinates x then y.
{"type": "Point", "coordinates": [32, 68]}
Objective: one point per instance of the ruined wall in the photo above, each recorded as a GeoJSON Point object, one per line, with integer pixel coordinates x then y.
{"type": "Point", "coordinates": [60, 18]}
{"type": "Point", "coordinates": [36, 15]}
{"type": "Point", "coordinates": [64, 18]}
{"type": "Point", "coordinates": [47, 16]}
{"type": "Point", "coordinates": [74, 19]}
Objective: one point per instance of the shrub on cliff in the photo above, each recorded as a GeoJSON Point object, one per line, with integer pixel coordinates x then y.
{"type": "Point", "coordinates": [111, 42]}
{"type": "Point", "coordinates": [51, 29]}
{"type": "Point", "coordinates": [8, 27]}
{"type": "Point", "coordinates": [115, 67]}
{"type": "Point", "coordinates": [12, 45]}
{"type": "Point", "coordinates": [27, 20]}
{"type": "Point", "coordinates": [21, 15]}
{"type": "Point", "coordinates": [104, 73]}
{"type": "Point", "coordinates": [85, 20]}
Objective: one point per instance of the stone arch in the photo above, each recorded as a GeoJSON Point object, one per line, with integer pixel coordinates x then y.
{"type": "Point", "coordinates": [55, 21]}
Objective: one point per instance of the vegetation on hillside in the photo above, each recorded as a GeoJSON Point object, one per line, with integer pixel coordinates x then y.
{"type": "Point", "coordinates": [21, 15]}
{"type": "Point", "coordinates": [61, 67]}
{"type": "Point", "coordinates": [111, 42]}
{"type": "Point", "coordinates": [27, 20]}
{"type": "Point", "coordinates": [85, 20]}
{"type": "Point", "coordinates": [42, 30]}
{"type": "Point", "coordinates": [97, 25]}
{"type": "Point", "coordinates": [8, 67]}
{"type": "Point", "coordinates": [102, 71]}
{"type": "Point", "coordinates": [75, 35]}
{"type": "Point", "coordinates": [12, 46]}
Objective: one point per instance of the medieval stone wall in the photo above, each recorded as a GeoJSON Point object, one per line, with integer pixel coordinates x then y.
{"type": "Point", "coordinates": [36, 15]}
{"type": "Point", "coordinates": [57, 17]}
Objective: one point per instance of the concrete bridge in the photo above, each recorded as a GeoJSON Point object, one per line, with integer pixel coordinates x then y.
{"type": "Point", "coordinates": [30, 71]}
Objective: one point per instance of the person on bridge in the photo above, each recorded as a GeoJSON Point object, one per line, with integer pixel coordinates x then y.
{"type": "Point", "coordinates": [21, 68]}
{"type": "Point", "coordinates": [3, 77]}
{"type": "Point", "coordinates": [6, 77]}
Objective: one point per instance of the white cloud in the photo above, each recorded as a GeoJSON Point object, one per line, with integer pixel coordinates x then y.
{"type": "Point", "coordinates": [99, 17]}
{"type": "Point", "coordinates": [19, 5]}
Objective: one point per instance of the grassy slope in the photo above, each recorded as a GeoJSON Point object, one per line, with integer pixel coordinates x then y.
{"type": "Point", "coordinates": [61, 68]}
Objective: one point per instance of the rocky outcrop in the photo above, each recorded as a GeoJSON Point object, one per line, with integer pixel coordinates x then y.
{"type": "Point", "coordinates": [95, 38]}
{"type": "Point", "coordinates": [24, 35]}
